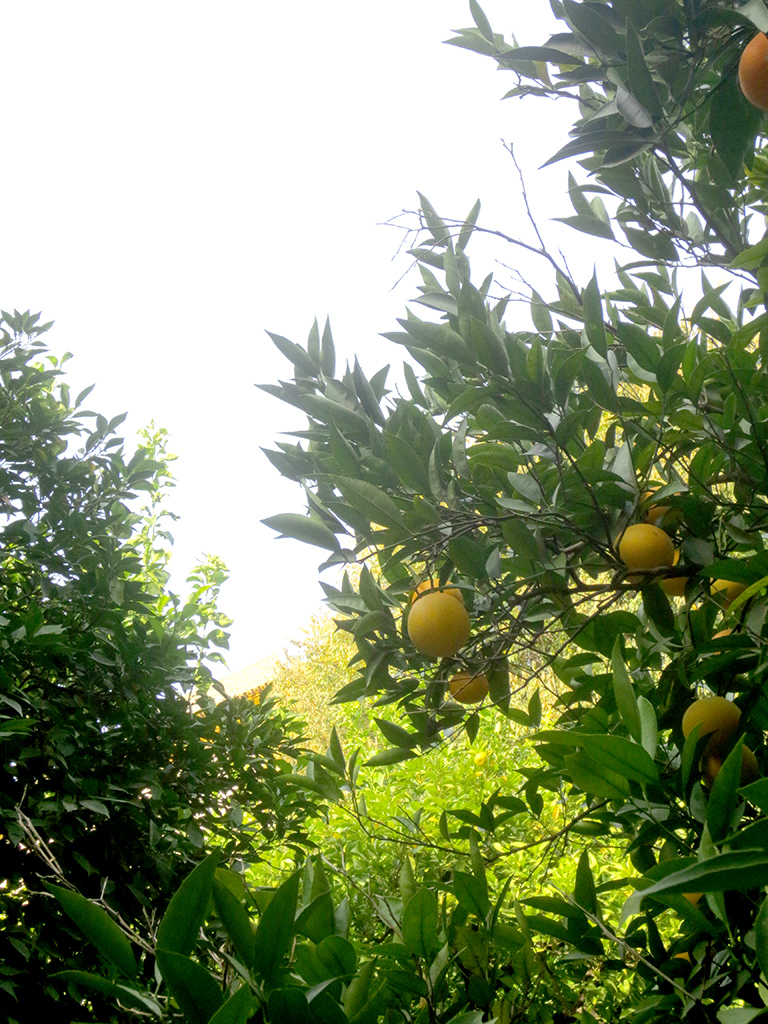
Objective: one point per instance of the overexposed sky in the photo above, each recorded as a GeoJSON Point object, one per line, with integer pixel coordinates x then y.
{"type": "Point", "coordinates": [180, 177]}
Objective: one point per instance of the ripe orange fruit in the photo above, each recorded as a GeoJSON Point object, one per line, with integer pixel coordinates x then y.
{"type": "Point", "coordinates": [753, 71]}
{"type": "Point", "coordinates": [467, 688]}
{"type": "Point", "coordinates": [674, 586]}
{"type": "Point", "coordinates": [438, 624]}
{"type": "Point", "coordinates": [656, 514]}
{"type": "Point", "coordinates": [428, 585]}
{"type": "Point", "coordinates": [712, 763]}
{"type": "Point", "coordinates": [643, 546]}
{"type": "Point", "coordinates": [726, 591]}
{"type": "Point", "coordinates": [480, 758]}
{"type": "Point", "coordinates": [717, 717]}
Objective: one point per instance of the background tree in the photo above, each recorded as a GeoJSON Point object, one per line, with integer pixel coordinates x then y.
{"type": "Point", "coordinates": [118, 764]}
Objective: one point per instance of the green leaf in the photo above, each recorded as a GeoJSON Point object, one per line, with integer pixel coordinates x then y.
{"type": "Point", "coordinates": [471, 892]}
{"type": "Point", "coordinates": [761, 937]}
{"type": "Point", "coordinates": [584, 890]}
{"type": "Point", "coordinates": [195, 990]}
{"type": "Point", "coordinates": [624, 691]}
{"type": "Point", "coordinates": [480, 20]}
{"type": "Point", "coordinates": [180, 928]}
{"type": "Point", "coordinates": [108, 988]}
{"type": "Point", "coordinates": [356, 996]}
{"type": "Point", "coordinates": [735, 871]}
{"type": "Point", "coordinates": [236, 921]}
{"type": "Point", "coordinates": [639, 78]}
{"type": "Point", "coordinates": [308, 529]}
{"type": "Point", "coordinates": [236, 1010]}
{"type": "Point", "coordinates": [288, 1006]}
{"type": "Point", "coordinates": [276, 928]}
{"type": "Point", "coordinates": [420, 920]}
{"type": "Point", "coordinates": [621, 756]}
{"type": "Point", "coordinates": [396, 734]}
{"type": "Point", "coordinates": [295, 353]}
{"type": "Point", "coordinates": [591, 777]}
{"type": "Point", "coordinates": [374, 503]}
{"type": "Point", "coordinates": [327, 351]}
{"type": "Point", "coordinates": [724, 797]}
{"type": "Point", "coordinates": [337, 956]}
{"type": "Point", "coordinates": [393, 756]}
{"type": "Point", "coordinates": [98, 927]}
{"type": "Point", "coordinates": [468, 226]}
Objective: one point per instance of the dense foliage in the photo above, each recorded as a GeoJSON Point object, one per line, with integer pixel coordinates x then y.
{"type": "Point", "coordinates": [521, 461]}
{"type": "Point", "coordinates": [118, 764]}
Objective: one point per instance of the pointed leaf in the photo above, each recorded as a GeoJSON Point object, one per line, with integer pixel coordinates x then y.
{"type": "Point", "coordinates": [195, 990]}
{"type": "Point", "coordinates": [420, 919]}
{"type": "Point", "coordinates": [236, 921]}
{"type": "Point", "coordinates": [180, 928]}
{"type": "Point", "coordinates": [98, 927]}
{"type": "Point", "coordinates": [275, 931]}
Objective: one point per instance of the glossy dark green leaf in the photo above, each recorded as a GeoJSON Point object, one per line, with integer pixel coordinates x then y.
{"type": "Point", "coordinates": [591, 777]}
{"type": "Point", "coordinates": [624, 693]}
{"type": "Point", "coordinates": [724, 796]}
{"type": "Point", "coordinates": [420, 920]}
{"type": "Point", "coordinates": [236, 922]}
{"type": "Point", "coordinates": [99, 928]}
{"type": "Point", "coordinates": [180, 928]}
{"type": "Point", "coordinates": [761, 937]}
{"type": "Point", "coordinates": [288, 1006]}
{"type": "Point", "coordinates": [194, 989]}
{"type": "Point", "coordinates": [276, 929]}
{"type": "Point", "coordinates": [472, 893]}
{"type": "Point", "coordinates": [735, 871]}
{"type": "Point", "coordinates": [96, 983]}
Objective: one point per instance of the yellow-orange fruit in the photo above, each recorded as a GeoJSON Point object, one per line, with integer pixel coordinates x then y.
{"type": "Point", "coordinates": [428, 585]}
{"type": "Point", "coordinates": [711, 763]}
{"type": "Point", "coordinates": [467, 688]}
{"type": "Point", "coordinates": [480, 758]}
{"type": "Point", "coordinates": [438, 624]}
{"type": "Point", "coordinates": [656, 514]}
{"type": "Point", "coordinates": [643, 546]}
{"type": "Point", "coordinates": [718, 717]}
{"type": "Point", "coordinates": [753, 71]}
{"type": "Point", "coordinates": [693, 897]}
{"type": "Point", "coordinates": [674, 586]}
{"type": "Point", "coordinates": [726, 591]}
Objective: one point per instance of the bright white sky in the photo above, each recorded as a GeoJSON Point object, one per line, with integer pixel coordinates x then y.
{"type": "Point", "coordinates": [181, 176]}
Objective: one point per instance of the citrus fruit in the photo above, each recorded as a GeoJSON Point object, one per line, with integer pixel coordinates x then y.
{"type": "Point", "coordinates": [438, 624]}
{"type": "Point", "coordinates": [467, 688]}
{"type": "Point", "coordinates": [712, 763]}
{"type": "Point", "coordinates": [643, 546]}
{"type": "Point", "coordinates": [693, 897]}
{"type": "Point", "coordinates": [481, 758]}
{"type": "Point", "coordinates": [717, 717]}
{"type": "Point", "coordinates": [726, 591]}
{"type": "Point", "coordinates": [656, 514]}
{"type": "Point", "coordinates": [753, 71]}
{"type": "Point", "coordinates": [428, 585]}
{"type": "Point", "coordinates": [674, 586]}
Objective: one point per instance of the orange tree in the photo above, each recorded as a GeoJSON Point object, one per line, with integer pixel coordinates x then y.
{"type": "Point", "coordinates": [594, 484]}
{"type": "Point", "coordinates": [512, 461]}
